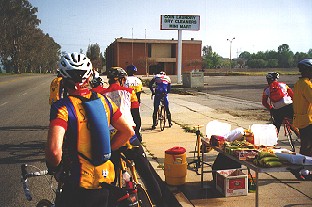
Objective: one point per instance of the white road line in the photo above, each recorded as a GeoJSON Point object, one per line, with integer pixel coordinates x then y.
{"type": "Point", "coordinates": [3, 103]}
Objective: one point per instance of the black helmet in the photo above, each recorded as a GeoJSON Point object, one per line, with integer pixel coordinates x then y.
{"type": "Point", "coordinates": [131, 69]}
{"type": "Point", "coordinates": [271, 76]}
{"type": "Point", "coordinates": [116, 73]}
{"type": "Point", "coordinates": [305, 65]}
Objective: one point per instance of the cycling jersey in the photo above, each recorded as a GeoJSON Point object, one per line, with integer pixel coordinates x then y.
{"type": "Point", "coordinates": [125, 99]}
{"type": "Point", "coordinates": [163, 84]}
{"type": "Point", "coordinates": [70, 114]}
{"type": "Point", "coordinates": [135, 83]}
{"type": "Point", "coordinates": [303, 103]}
{"type": "Point", "coordinates": [286, 100]}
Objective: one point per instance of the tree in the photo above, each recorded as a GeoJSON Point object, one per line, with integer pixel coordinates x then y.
{"type": "Point", "coordinates": [24, 47]}
{"type": "Point", "coordinates": [94, 54]}
{"type": "Point", "coordinates": [210, 59]}
{"type": "Point", "coordinates": [245, 55]}
{"type": "Point", "coordinates": [285, 56]}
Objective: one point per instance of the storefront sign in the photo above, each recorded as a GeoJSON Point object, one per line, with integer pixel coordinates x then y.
{"type": "Point", "coordinates": [179, 22]}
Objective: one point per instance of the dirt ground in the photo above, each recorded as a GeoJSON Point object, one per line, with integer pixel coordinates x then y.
{"type": "Point", "coordinates": [245, 93]}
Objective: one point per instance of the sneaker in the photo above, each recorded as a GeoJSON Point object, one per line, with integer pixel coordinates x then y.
{"type": "Point", "coordinates": [170, 124]}
{"type": "Point", "coordinates": [296, 173]}
{"type": "Point", "coordinates": [153, 127]}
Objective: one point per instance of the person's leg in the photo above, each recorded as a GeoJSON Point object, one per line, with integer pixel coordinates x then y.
{"type": "Point", "coordinates": [306, 141]}
{"type": "Point", "coordinates": [166, 104]}
{"type": "Point", "coordinates": [278, 118]}
{"type": "Point", "coordinates": [156, 105]}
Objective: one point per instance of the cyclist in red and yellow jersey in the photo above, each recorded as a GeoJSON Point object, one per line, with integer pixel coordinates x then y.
{"type": "Point", "coordinates": [57, 90]}
{"type": "Point", "coordinates": [303, 106]}
{"type": "Point", "coordinates": [73, 142]}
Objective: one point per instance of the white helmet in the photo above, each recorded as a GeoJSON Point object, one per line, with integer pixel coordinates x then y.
{"type": "Point", "coordinates": [75, 66]}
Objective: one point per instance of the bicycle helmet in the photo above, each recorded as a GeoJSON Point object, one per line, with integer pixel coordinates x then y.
{"type": "Point", "coordinates": [162, 73]}
{"type": "Point", "coordinates": [76, 67]}
{"type": "Point", "coordinates": [131, 69]}
{"type": "Point", "coordinates": [272, 76]}
{"type": "Point", "coordinates": [305, 65]}
{"type": "Point", "coordinates": [116, 73]}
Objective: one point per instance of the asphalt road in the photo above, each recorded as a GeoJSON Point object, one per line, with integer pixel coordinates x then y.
{"type": "Point", "coordinates": [24, 123]}
{"type": "Point", "coordinates": [24, 110]}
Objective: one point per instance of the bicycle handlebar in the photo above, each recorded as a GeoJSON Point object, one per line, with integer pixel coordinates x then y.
{"type": "Point", "coordinates": [26, 175]}
{"type": "Point", "coordinates": [25, 183]}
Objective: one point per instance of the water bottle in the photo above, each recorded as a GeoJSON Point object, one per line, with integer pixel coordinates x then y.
{"type": "Point", "coordinates": [126, 178]}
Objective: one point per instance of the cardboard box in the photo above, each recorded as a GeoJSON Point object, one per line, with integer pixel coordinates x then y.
{"type": "Point", "coordinates": [232, 182]}
{"type": "Point", "coordinates": [245, 154]}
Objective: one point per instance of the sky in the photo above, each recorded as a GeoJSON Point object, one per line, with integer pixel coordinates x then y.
{"type": "Point", "coordinates": [256, 25]}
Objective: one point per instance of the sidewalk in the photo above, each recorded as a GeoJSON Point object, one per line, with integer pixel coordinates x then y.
{"type": "Point", "coordinates": [276, 189]}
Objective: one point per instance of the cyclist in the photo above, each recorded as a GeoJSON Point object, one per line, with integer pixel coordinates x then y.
{"type": "Point", "coordinates": [277, 97]}
{"type": "Point", "coordinates": [163, 87]}
{"type": "Point", "coordinates": [127, 101]}
{"type": "Point", "coordinates": [57, 90]}
{"type": "Point", "coordinates": [96, 82]}
{"type": "Point", "coordinates": [133, 81]}
{"type": "Point", "coordinates": [136, 84]}
{"type": "Point", "coordinates": [303, 106]}
{"type": "Point", "coordinates": [69, 143]}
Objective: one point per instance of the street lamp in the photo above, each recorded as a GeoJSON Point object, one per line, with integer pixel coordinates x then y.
{"type": "Point", "coordinates": [231, 52]}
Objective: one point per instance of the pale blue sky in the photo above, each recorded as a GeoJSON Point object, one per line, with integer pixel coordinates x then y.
{"type": "Point", "coordinates": [256, 25]}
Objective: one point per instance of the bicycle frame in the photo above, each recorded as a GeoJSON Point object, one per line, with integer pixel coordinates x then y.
{"type": "Point", "coordinates": [161, 114]}
{"type": "Point", "coordinates": [288, 129]}
{"type": "Point", "coordinates": [127, 165]}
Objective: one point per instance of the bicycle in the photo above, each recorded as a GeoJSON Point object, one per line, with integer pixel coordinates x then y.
{"type": "Point", "coordinates": [288, 129]}
{"type": "Point", "coordinates": [135, 190]}
{"type": "Point", "coordinates": [24, 179]}
{"type": "Point", "coordinates": [161, 113]}
{"type": "Point", "coordinates": [127, 178]}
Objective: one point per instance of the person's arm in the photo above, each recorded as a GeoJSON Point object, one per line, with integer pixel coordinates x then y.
{"type": "Point", "coordinates": [169, 88]}
{"type": "Point", "coordinates": [290, 92]}
{"type": "Point", "coordinates": [151, 83]}
{"type": "Point", "coordinates": [123, 134]}
{"type": "Point", "coordinates": [265, 98]}
{"type": "Point", "coordinates": [53, 151]}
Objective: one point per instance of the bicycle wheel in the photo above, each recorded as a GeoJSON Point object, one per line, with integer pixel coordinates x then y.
{"type": "Point", "coordinates": [288, 134]}
{"type": "Point", "coordinates": [162, 118]}
{"type": "Point", "coordinates": [44, 203]}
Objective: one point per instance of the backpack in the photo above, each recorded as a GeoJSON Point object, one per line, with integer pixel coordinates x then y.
{"type": "Point", "coordinates": [276, 93]}
{"type": "Point", "coordinates": [100, 136]}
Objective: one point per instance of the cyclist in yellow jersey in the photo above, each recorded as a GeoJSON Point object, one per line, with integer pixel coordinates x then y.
{"type": "Point", "coordinates": [70, 142]}
{"type": "Point", "coordinates": [303, 106]}
{"type": "Point", "coordinates": [136, 84]}
{"type": "Point", "coordinates": [133, 81]}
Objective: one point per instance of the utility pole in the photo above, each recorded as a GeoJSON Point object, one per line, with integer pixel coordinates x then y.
{"type": "Point", "coordinates": [231, 52]}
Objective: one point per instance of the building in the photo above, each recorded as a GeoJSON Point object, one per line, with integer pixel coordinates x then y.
{"type": "Point", "coordinates": [151, 56]}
